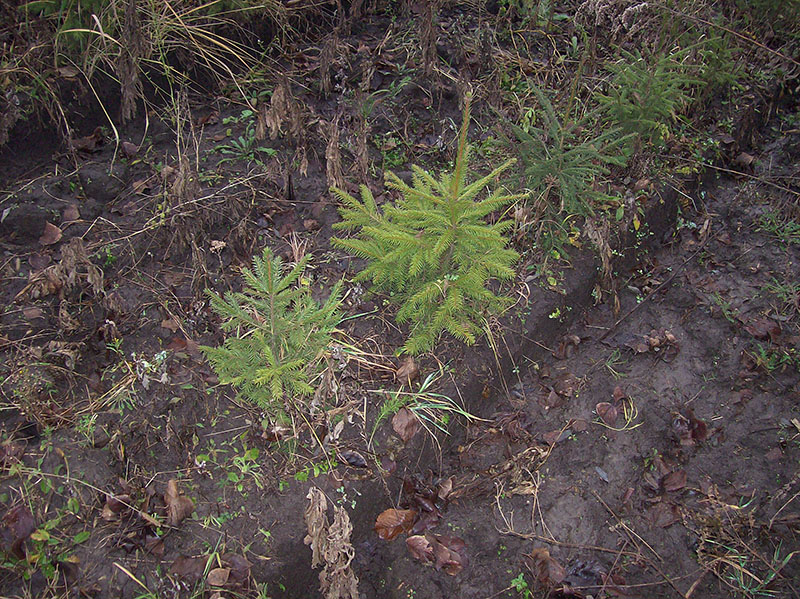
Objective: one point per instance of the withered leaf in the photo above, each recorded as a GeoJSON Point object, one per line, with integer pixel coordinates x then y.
{"type": "Point", "coordinates": [189, 568]}
{"type": "Point", "coordinates": [445, 488]}
{"type": "Point", "coordinates": [50, 235]}
{"type": "Point", "coordinates": [420, 548]}
{"type": "Point", "coordinates": [15, 527]}
{"type": "Point", "coordinates": [114, 505]}
{"type": "Point", "coordinates": [178, 506]}
{"type": "Point", "coordinates": [405, 424]}
{"type": "Point", "coordinates": [154, 545]}
{"type": "Point", "coordinates": [390, 523]}
{"type": "Point", "coordinates": [70, 214]}
{"type": "Point", "coordinates": [619, 394]}
{"type": "Point", "coordinates": [170, 324]}
{"type": "Point", "coordinates": [354, 459]}
{"type": "Point", "coordinates": [607, 413]}
{"type": "Point", "coordinates": [408, 371]}
{"type": "Point", "coordinates": [674, 481]}
{"type": "Point", "coordinates": [664, 514]}
{"type": "Point", "coordinates": [218, 576]}
{"type": "Point", "coordinates": [450, 554]}
{"type": "Point", "coordinates": [129, 149]}
{"type": "Point", "coordinates": [764, 329]}
{"type": "Point", "coordinates": [546, 569]}
{"type": "Point", "coordinates": [239, 567]}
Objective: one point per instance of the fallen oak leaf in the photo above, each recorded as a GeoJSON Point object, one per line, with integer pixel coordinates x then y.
{"type": "Point", "coordinates": [390, 523]}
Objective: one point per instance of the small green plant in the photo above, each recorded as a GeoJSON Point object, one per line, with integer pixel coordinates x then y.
{"type": "Point", "coordinates": [244, 148]}
{"type": "Point", "coordinates": [559, 163]}
{"type": "Point", "coordinates": [785, 229]}
{"type": "Point", "coordinates": [433, 250]}
{"type": "Point", "coordinates": [280, 335]}
{"type": "Point", "coordinates": [520, 585]}
{"type": "Point", "coordinates": [431, 408]}
{"type": "Point", "coordinates": [645, 98]}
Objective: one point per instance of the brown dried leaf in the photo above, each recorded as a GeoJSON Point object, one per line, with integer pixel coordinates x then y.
{"type": "Point", "coordinates": [50, 235]}
{"type": "Point", "coordinates": [189, 568]}
{"type": "Point", "coordinates": [420, 548]}
{"type": "Point", "coordinates": [114, 505]}
{"type": "Point", "coordinates": [408, 371]}
{"type": "Point", "coordinates": [179, 507]}
{"type": "Point", "coordinates": [674, 481]}
{"type": "Point", "coordinates": [390, 523]}
{"type": "Point", "coordinates": [32, 312]}
{"type": "Point", "coordinates": [664, 514]}
{"type": "Point", "coordinates": [764, 329]}
{"type": "Point", "coordinates": [70, 214]}
{"type": "Point", "coordinates": [450, 554]}
{"type": "Point", "coordinates": [129, 149]}
{"type": "Point", "coordinates": [405, 424]}
{"type": "Point", "coordinates": [218, 576]}
{"type": "Point", "coordinates": [445, 488]}
{"type": "Point", "coordinates": [154, 544]}
{"type": "Point", "coordinates": [331, 546]}
{"type": "Point", "coordinates": [607, 413]}
{"type": "Point", "coordinates": [170, 324]}
{"type": "Point", "coordinates": [547, 571]}
{"type": "Point", "coordinates": [15, 527]}
{"type": "Point", "coordinates": [566, 346]}
{"type": "Point", "coordinates": [619, 394]}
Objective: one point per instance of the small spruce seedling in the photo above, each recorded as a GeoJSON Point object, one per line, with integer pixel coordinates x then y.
{"type": "Point", "coordinates": [280, 335]}
{"type": "Point", "coordinates": [433, 250]}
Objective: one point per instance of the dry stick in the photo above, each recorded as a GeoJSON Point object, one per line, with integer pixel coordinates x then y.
{"type": "Point", "coordinates": [656, 290]}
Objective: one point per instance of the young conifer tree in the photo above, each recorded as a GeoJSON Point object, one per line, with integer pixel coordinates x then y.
{"type": "Point", "coordinates": [434, 250]}
{"type": "Point", "coordinates": [280, 333]}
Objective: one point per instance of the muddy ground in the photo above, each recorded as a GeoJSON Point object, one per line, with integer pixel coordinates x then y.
{"type": "Point", "coordinates": [637, 439]}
